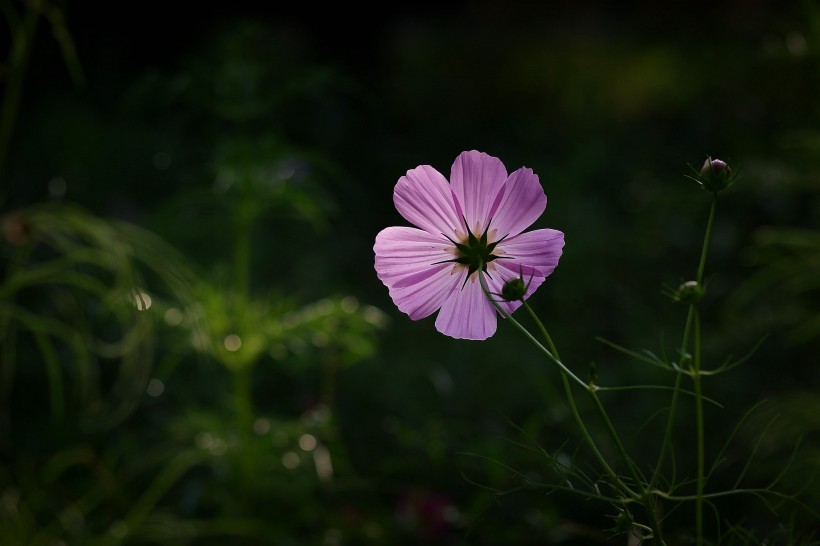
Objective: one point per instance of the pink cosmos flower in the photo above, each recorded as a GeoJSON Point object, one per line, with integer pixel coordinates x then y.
{"type": "Point", "coordinates": [476, 221]}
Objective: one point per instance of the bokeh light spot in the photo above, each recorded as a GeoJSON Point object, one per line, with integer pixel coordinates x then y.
{"type": "Point", "coordinates": [320, 339]}
{"type": "Point", "coordinates": [307, 442]}
{"type": "Point", "coordinates": [155, 387]}
{"type": "Point", "coordinates": [796, 44]}
{"type": "Point", "coordinates": [278, 351]}
{"type": "Point", "coordinates": [374, 316]}
{"type": "Point", "coordinates": [142, 301]}
{"type": "Point", "coordinates": [173, 316]}
{"type": "Point", "coordinates": [233, 342]}
{"type": "Point", "coordinates": [290, 460]}
{"type": "Point", "coordinates": [204, 440]}
{"type": "Point", "coordinates": [261, 426]}
{"type": "Point", "coordinates": [349, 304]}
{"type": "Point", "coordinates": [286, 172]}
{"type": "Point", "coordinates": [72, 519]}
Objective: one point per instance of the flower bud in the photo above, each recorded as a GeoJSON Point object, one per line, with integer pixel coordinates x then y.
{"type": "Point", "coordinates": [715, 175]}
{"type": "Point", "coordinates": [689, 292]}
{"type": "Point", "coordinates": [514, 289]}
{"type": "Point", "coordinates": [623, 523]}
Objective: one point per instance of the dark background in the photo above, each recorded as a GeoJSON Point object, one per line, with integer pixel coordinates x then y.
{"type": "Point", "coordinates": [263, 144]}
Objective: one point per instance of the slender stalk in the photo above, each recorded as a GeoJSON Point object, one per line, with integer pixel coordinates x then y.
{"type": "Point", "coordinates": [690, 317]}
{"type": "Point", "coordinates": [530, 337]}
{"type": "Point", "coordinates": [591, 389]}
{"type": "Point", "coordinates": [646, 497]}
{"type": "Point", "coordinates": [673, 405]}
{"type": "Point", "coordinates": [696, 378]}
{"type": "Point", "coordinates": [706, 238]}
{"type": "Point", "coordinates": [565, 377]}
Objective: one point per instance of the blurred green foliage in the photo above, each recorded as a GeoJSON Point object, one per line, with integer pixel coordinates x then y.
{"type": "Point", "coordinates": [234, 166]}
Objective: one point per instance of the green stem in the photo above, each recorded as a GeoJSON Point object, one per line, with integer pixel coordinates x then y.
{"type": "Point", "coordinates": [565, 377]}
{"type": "Point", "coordinates": [591, 390]}
{"type": "Point", "coordinates": [696, 378]}
{"type": "Point", "coordinates": [707, 236]}
{"type": "Point", "coordinates": [690, 317]}
{"type": "Point", "coordinates": [645, 496]}
{"type": "Point", "coordinates": [530, 337]}
{"type": "Point", "coordinates": [673, 404]}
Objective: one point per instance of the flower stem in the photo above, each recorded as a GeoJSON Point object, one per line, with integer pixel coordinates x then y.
{"type": "Point", "coordinates": [696, 378]}
{"type": "Point", "coordinates": [692, 322]}
{"type": "Point", "coordinates": [566, 374]}
{"type": "Point", "coordinates": [707, 236]}
{"type": "Point", "coordinates": [591, 389]}
{"type": "Point", "coordinates": [645, 497]}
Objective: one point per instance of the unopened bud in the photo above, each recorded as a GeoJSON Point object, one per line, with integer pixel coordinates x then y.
{"type": "Point", "coordinates": [689, 292]}
{"type": "Point", "coordinates": [514, 289]}
{"type": "Point", "coordinates": [715, 175]}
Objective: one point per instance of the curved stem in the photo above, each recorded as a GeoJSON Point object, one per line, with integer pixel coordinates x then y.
{"type": "Point", "coordinates": [590, 388]}
{"type": "Point", "coordinates": [566, 374]}
{"type": "Point", "coordinates": [530, 337]}
{"type": "Point", "coordinates": [645, 496]}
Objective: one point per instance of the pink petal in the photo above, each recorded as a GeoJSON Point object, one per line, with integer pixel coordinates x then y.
{"type": "Point", "coordinates": [406, 262]}
{"type": "Point", "coordinates": [424, 198]}
{"type": "Point", "coordinates": [540, 249]}
{"type": "Point", "coordinates": [477, 179]}
{"type": "Point", "coordinates": [521, 205]}
{"type": "Point", "coordinates": [425, 298]}
{"type": "Point", "coordinates": [467, 313]}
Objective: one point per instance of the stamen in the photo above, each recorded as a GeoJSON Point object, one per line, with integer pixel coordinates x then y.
{"type": "Point", "coordinates": [476, 252]}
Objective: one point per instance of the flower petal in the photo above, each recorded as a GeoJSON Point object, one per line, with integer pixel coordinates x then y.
{"type": "Point", "coordinates": [406, 262]}
{"type": "Point", "coordinates": [521, 205]}
{"type": "Point", "coordinates": [425, 298]}
{"type": "Point", "coordinates": [467, 313]}
{"type": "Point", "coordinates": [424, 198]}
{"type": "Point", "coordinates": [476, 179]}
{"type": "Point", "coordinates": [539, 249]}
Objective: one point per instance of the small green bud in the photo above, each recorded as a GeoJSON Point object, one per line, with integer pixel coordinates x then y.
{"type": "Point", "coordinates": [689, 292]}
{"type": "Point", "coordinates": [715, 175]}
{"type": "Point", "coordinates": [623, 523]}
{"type": "Point", "coordinates": [514, 289]}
